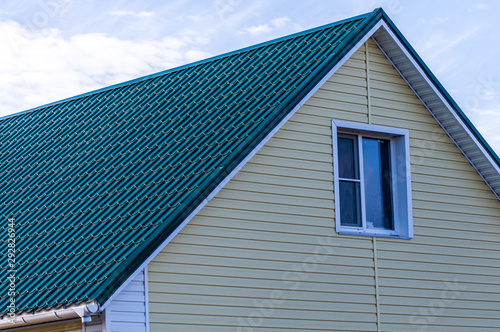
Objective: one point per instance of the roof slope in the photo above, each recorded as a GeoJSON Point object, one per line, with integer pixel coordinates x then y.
{"type": "Point", "coordinates": [98, 181]}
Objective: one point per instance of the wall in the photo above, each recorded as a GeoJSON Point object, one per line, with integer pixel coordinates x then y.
{"type": "Point", "coordinates": [127, 312]}
{"type": "Point", "coordinates": [68, 326]}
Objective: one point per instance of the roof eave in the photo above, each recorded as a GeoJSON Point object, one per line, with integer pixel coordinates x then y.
{"type": "Point", "coordinates": [439, 103]}
{"type": "Point", "coordinates": [82, 311]}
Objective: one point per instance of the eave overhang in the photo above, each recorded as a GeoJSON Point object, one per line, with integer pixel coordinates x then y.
{"type": "Point", "coordinates": [439, 103]}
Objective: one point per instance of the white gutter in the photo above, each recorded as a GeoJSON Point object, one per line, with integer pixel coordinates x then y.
{"type": "Point", "coordinates": [83, 311]}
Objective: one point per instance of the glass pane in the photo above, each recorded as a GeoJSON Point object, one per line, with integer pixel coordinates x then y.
{"type": "Point", "coordinates": [350, 213]}
{"type": "Point", "coordinates": [348, 157]}
{"type": "Point", "coordinates": [378, 190]}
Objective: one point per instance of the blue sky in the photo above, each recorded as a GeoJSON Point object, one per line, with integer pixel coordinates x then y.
{"type": "Point", "coordinates": [53, 49]}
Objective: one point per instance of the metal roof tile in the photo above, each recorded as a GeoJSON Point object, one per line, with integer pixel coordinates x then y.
{"type": "Point", "coordinates": [96, 181]}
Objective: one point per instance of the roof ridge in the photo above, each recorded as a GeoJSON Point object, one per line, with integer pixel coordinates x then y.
{"type": "Point", "coordinates": [188, 65]}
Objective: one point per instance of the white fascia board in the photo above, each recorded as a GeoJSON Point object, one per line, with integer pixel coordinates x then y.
{"type": "Point", "coordinates": [243, 163]}
{"type": "Point", "coordinates": [451, 109]}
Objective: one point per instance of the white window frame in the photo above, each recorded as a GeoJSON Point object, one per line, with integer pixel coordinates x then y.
{"type": "Point", "coordinates": [401, 178]}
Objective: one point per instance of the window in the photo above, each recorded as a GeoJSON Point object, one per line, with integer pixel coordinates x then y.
{"type": "Point", "coordinates": [372, 180]}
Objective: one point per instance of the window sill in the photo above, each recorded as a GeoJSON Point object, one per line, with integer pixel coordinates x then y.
{"type": "Point", "coordinates": [373, 234]}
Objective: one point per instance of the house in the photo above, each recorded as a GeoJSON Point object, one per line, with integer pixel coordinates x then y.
{"type": "Point", "coordinates": [321, 181]}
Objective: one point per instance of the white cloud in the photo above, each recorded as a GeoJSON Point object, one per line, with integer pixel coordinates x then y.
{"type": "Point", "coordinates": [258, 29]}
{"type": "Point", "coordinates": [131, 13]}
{"type": "Point", "coordinates": [280, 22]}
{"type": "Point", "coordinates": [438, 44]}
{"type": "Point", "coordinates": [487, 122]}
{"type": "Point", "coordinates": [275, 23]}
{"type": "Point", "coordinates": [479, 6]}
{"type": "Point", "coordinates": [434, 20]}
{"type": "Point", "coordinates": [49, 67]}
{"type": "Point", "coordinates": [195, 18]}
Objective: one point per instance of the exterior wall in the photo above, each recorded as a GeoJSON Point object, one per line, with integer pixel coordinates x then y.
{"type": "Point", "coordinates": [96, 325]}
{"type": "Point", "coordinates": [69, 326]}
{"type": "Point", "coordinates": [127, 312]}
{"type": "Point", "coordinates": [263, 255]}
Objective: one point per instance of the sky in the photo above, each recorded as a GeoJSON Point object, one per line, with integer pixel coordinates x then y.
{"type": "Point", "coordinates": [54, 49]}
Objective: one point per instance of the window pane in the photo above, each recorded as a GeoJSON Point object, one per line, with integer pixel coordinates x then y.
{"type": "Point", "coordinates": [378, 190]}
{"type": "Point", "coordinates": [350, 213]}
{"type": "Point", "coordinates": [348, 157]}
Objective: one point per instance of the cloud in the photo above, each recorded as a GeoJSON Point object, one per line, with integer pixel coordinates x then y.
{"type": "Point", "coordinates": [487, 121]}
{"type": "Point", "coordinates": [276, 23]}
{"type": "Point", "coordinates": [48, 67]}
{"type": "Point", "coordinates": [434, 20]}
{"type": "Point", "coordinates": [131, 13]}
{"type": "Point", "coordinates": [479, 6]}
{"type": "Point", "coordinates": [280, 22]}
{"type": "Point", "coordinates": [439, 43]}
{"type": "Point", "coordinates": [258, 29]}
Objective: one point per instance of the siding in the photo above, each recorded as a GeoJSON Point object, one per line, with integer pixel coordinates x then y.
{"type": "Point", "coordinates": [448, 276]}
{"type": "Point", "coordinates": [96, 325]}
{"type": "Point", "coordinates": [127, 312]}
{"type": "Point", "coordinates": [70, 326]}
{"type": "Point", "coordinates": [264, 255]}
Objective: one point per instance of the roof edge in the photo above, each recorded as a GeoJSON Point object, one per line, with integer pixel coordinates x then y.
{"type": "Point", "coordinates": [82, 310]}
{"type": "Point", "coordinates": [441, 88]}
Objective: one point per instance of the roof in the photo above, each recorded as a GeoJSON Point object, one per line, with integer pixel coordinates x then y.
{"type": "Point", "coordinates": [97, 182]}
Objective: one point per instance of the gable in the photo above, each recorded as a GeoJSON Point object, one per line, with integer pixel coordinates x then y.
{"type": "Point", "coordinates": [264, 252]}
{"type": "Point", "coordinates": [97, 182]}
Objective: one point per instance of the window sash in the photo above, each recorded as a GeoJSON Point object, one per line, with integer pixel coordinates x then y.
{"type": "Point", "coordinates": [360, 178]}
{"type": "Point", "coordinates": [401, 176]}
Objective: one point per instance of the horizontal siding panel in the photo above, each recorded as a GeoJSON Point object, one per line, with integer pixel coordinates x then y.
{"type": "Point", "coordinates": [418, 303]}
{"type": "Point", "coordinates": [279, 246]}
{"type": "Point", "coordinates": [435, 267]}
{"type": "Point", "coordinates": [440, 286]}
{"type": "Point", "coordinates": [275, 208]}
{"type": "Point", "coordinates": [160, 290]}
{"type": "Point", "coordinates": [330, 307]}
{"type": "Point", "coordinates": [398, 248]}
{"type": "Point", "coordinates": [278, 313]}
{"type": "Point", "coordinates": [358, 276]}
{"type": "Point", "coordinates": [449, 322]}
{"type": "Point", "coordinates": [175, 280]}
{"type": "Point", "coordinates": [260, 216]}
{"type": "Point", "coordinates": [341, 87]}
{"type": "Point", "coordinates": [442, 277]}
{"type": "Point", "coordinates": [440, 259]}
{"type": "Point", "coordinates": [271, 323]}
{"type": "Point", "coordinates": [284, 182]}
{"type": "Point", "coordinates": [302, 146]}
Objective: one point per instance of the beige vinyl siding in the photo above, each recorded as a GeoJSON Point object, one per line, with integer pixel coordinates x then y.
{"type": "Point", "coordinates": [263, 255]}
{"type": "Point", "coordinates": [69, 326]}
{"type": "Point", "coordinates": [448, 276]}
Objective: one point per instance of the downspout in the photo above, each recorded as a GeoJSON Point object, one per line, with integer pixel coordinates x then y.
{"type": "Point", "coordinates": [374, 239]}
{"type": "Point", "coordinates": [82, 311]}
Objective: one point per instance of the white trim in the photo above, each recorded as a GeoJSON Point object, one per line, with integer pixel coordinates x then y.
{"type": "Point", "coordinates": [83, 311]}
{"type": "Point", "coordinates": [146, 296]}
{"type": "Point", "coordinates": [243, 163]}
{"type": "Point", "coordinates": [402, 206]}
{"type": "Point", "coordinates": [107, 321]}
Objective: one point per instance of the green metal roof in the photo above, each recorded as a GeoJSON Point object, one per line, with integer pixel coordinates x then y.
{"type": "Point", "coordinates": [97, 182]}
